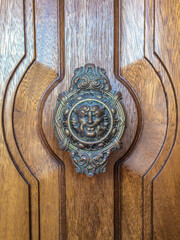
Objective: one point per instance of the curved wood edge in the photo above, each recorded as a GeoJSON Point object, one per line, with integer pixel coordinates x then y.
{"type": "Point", "coordinates": [10, 139]}
{"type": "Point", "coordinates": [154, 60]}
{"type": "Point", "coordinates": [150, 173]}
{"type": "Point", "coordinates": [62, 181]}
{"type": "Point", "coordinates": [117, 29]}
{"type": "Point", "coordinates": [126, 84]}
{"type": "Point", "coordinates": [119, 163]}
{"type": "Point", "coordinates": [172, 123]}
{"type": "Point", "coordinates": [54, 84]}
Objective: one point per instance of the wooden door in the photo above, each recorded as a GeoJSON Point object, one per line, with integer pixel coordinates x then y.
{"type": "Point", "coordinates": [41, 195]}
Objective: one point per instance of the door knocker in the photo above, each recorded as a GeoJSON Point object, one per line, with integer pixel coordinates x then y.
{"type": "Point", "coordinates": [89, 120]}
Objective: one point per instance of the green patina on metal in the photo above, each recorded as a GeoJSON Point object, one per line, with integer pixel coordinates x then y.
{"type": "Point", "coordinates": [89, 120]}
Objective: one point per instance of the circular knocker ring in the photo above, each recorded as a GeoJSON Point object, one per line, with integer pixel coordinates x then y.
{"type": "Point", "coordinates": [89, 120]}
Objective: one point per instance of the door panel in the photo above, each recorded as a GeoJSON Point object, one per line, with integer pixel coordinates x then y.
{"type": "Point", "coordinates": [136, 42]}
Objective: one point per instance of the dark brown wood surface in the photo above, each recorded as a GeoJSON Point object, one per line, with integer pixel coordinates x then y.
{"type": "Point", "coordinates": [41, 195]}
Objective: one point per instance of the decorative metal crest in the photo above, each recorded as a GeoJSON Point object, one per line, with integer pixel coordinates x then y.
{"type": "Point", "coordinates": [89, 120]}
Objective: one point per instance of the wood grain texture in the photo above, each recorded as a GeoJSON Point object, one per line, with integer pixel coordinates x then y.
{"type": "Point", "coordinates": [19, 196]}
{"type": "Point", "coordinates": [147, 84]}
{"type": "Point", "coordinates": [166, 183]}
{"type": "Point", "coordinates": [148, 230]}
{"type": "Point", "coordinates": [43, 167]}
{"type": "Point", "coordinates": [27, 99]}
{"type": "Point", "coordinates": [42, 197]}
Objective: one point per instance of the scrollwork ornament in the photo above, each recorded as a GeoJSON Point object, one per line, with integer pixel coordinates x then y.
{"type": "Point", "coordinates": [89, 120]}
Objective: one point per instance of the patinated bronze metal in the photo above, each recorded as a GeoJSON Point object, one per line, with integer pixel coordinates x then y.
{"type": "Point", "coordinates": [89, 120]}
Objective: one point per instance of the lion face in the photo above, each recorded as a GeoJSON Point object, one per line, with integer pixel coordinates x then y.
{"type": "Point", "coordinates": [90, 118]}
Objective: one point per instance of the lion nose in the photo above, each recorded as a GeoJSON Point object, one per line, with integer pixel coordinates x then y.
{"type": "Point", "coordinates": [90, 119]}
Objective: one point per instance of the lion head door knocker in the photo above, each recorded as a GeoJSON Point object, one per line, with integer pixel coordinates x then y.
{"type": "Point", "coordinates": [89, 120]}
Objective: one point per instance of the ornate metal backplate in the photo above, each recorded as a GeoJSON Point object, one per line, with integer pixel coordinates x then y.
{"type": "Point", "coordinates": [89, 120]}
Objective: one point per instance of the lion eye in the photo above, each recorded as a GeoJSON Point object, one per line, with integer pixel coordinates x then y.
{"type": "Point", "coordinates": [99, 113]}
{"type": "Point", "coordinates": [82, 113]}
{"type": "Point", "coordinates": [94, 108]}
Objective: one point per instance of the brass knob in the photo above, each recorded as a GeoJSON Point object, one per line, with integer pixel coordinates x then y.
{"type": "Point", "coordinates": [89, 120]}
